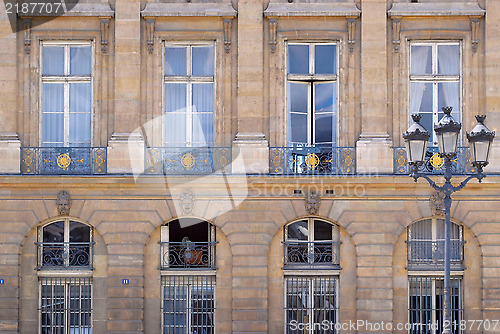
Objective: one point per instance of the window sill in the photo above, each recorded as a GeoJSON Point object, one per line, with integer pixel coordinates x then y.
{"type": "Point", "coordinates": [311, 9]}
{"type": "Point", "coordinates": [188, 9]}
{"type": "Point", "coordinates": [63, 272]}
{"type": "Point", "coordinates": [436, 9]}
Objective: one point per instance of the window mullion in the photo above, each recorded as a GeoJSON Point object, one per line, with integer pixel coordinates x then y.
{"type": "Point", "coordinates": [310, 114]}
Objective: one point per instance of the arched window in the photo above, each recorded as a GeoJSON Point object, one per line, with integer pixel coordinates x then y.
{"type": "Point", "coordinates": [426, 244]}
{"type": "Point", "coordinates": [311, 296]}
{"type": "Point", "coordinates": [187, 250]}
{"type": "Point", "coordinates": [425, 275]}
{"type": "Point", "coordinates": [311, 242]}
{"type": "Point", "coordinates": [65, 243]}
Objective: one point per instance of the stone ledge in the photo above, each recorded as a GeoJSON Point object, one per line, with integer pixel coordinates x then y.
{"type": "Point", "coordinates": [436, 9]}
{"type": "Point", "coordinates": [81, 9]}
{"type": "Point", "coordinates": [188, 9]}
{"type": "Point", "coordinates": [312, 9]}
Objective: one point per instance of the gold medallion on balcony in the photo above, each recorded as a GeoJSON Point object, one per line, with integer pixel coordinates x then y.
{"type": "Point", "coordinates": [188, 161]}
{"type": "Point", "coordinates": [312, 160]}
{"type": "Point", "coordinates": [63, 161]}
{"type": "Point", "coordinates": [436, 161]}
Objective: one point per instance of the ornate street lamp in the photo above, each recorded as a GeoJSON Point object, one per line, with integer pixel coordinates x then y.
{"type": "Point", "coordinates": [447, 131]}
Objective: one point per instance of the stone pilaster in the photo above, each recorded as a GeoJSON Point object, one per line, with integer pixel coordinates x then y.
{"type": "Point", "coordinates": [374, 152]}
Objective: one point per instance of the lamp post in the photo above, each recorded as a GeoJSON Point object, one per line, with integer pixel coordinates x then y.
{"type": "Point", "coordinates": [447, 131]}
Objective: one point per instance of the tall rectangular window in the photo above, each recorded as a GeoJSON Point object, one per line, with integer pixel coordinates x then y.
{"type": "Point", "coordinates": [311, 304]}
{"type": "Point", "coordinates": [66, 94]}
{"type": "Point", "coordinates": [65, 305]}
{"type": "Point", "coordinates": [312, 94]}
{"type": "Point", "coordinates": [188, 304]}
{"type": "Point", "coordinates": [435, 81]}
{"type": "Point", "coordinates": [425, 306]}
{"type": "Point", "coordinates": [189, 90]}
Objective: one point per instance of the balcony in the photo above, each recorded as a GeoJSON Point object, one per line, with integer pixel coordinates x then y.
{"type": "Point", "coordinates": [312, 160]}
{"type": "Point", "coordinates": [424, 254]}
{"type": "Point", "coordinates": [63, 160]}
{"type": "Point", "coordinates": [433, 163]}
{"type": "Point", "coordinates": [64, 255]}
{"type": "Point", "coordinates": [311, 254]}
{"type": "Point", "coordinates": [187, 160]}
{"type": "Point", "coordinates": [187, 255]}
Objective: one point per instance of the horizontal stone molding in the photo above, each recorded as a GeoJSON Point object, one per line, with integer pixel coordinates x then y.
{"type": "Point", "coordinates": [80, 9]}
{"type": "Point", "coordinates": [188, 9]}
{"type": "Point", "coordinates": [436, 9]}
{"type": "Point", "coordinates": [312, 9]}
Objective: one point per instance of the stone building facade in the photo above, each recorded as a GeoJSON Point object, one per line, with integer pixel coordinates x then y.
{"type": "Point", "coordinates": [223, 237]}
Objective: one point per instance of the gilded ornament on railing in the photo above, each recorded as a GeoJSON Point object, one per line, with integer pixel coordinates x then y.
{"type": "Point", "coordinates": [188, 161]}
{"type": "Point", "coordinates": [348, 161]}
{"type": "Point", "coordinates": [99, 161]}
{"type": "Point", "coordinates": [312, 161]}
{"type": "Point", "coordinates": [437, 161]}
{"type": "Point", "coordinates": [28, 161]}
{"type": "Point", "coordinates": [63, 161]}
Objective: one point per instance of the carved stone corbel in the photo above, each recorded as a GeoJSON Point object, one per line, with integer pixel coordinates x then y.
{"type": "Point", "coordinates": [150, 32]}
{"type": "Point", "coordinates": [351, 30]}
{"type": "Point", "coordinates": [312, 202]}
{"type": "Point", "coordinates": [396, 34]}
{"type": "Point", "coordinates": [273, 31]}
{"type": "Point", "coordinates": [27, 35]}
{"type": "Point", "coordinates": [63, 203]}
{"type": "Point", "coordinates": [187, 201]}
{"type": "Point", "coordinates": [227, 34]}
{"type": "Point", "coordinates": [474, 22]}
{"type": "Point", "coordinates": [104, 34]}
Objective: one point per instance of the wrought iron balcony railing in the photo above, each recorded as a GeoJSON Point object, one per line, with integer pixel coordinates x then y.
{"type": "Point", "coordinates": [63, 160]}
{"type": "Point", "coordinates": [434, 163]}
{"type": "Point", "coordinates": [428, 253]}
{"type": "Point", "coordinates": [187, 160]}
{"type": "Point", "coordinates": [311, 254]}
{"type": "Point", "coordinates": [64, 255]}
{"type": "Point", "coordinates": [194, 255]}
{"type": "Point", "coordinates": [312, 160]}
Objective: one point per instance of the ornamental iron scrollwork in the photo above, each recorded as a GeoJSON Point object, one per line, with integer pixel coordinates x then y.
{"type": "Point", "coordinates": [64, 254]}
{"type": "Point", "coordinates": [431, 253]}
{"type": "Point", "coordinates": [187, 254]}
{"type": "Point", "coordinates": [318, 253]}
{"type": "Point", "coordinates": [434, 162]}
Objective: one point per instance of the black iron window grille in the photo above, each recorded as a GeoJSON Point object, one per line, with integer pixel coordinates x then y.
{"type": "Point", "coordinates": [65, 244]}
{"type": "Point", "coordinates": [65, 305]}
{"type": "Point", "coordinates": [426, 245]}
{"type": "Point", "coordinates": [187, 243]}
{"type": "Point", "coordinates": [311, 304]}
{"type": "Point", "coordinates": [188, 304]}
{"type": "Point", "coordinates": [425, 304]}
{"type": "Point", "coordinates": [311, 242]}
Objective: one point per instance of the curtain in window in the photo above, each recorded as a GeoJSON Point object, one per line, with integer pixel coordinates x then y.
{"type": "Point", "coordinates": [79, 114]}
{"type": "Point", "coordinates": [175, 113]}
{"type": "Point", "coordinates": [52, 114]}
{"type": "Point", "coordinates": [419, 65]}
{"type": "Point", "coordinates": [203, 118]}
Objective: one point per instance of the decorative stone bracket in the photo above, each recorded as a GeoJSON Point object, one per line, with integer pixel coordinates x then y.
{"type": "Point", "coordinates": [312, 202]}
{"type": "Point", "coordinates": [396, 33]}
{"type": "Point", "coordinates": [150, 32]}
{"type": "Point", "coordinates": [227, 34]}
{"type": "Point", "coordinates": [63, 203]}
{"type": "Point", "coordinates": [273, 34]}
{"type": "Point", "coordinates": [27, 35]}
{"type": "Point", "coordinates": [437, 203]}
{"type": "Point", "coordinates": [351, 31]}
{"type": "Point", "coordinates": [104, 34]}
{"type": "Point", "coordinates": [474, 22]}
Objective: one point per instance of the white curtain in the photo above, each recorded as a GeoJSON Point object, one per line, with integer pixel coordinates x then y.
{"type": "Point", "coordinates": [52, 114]}
{"type": "Point", "coordinates": [203, 60]}
{"type": "Point", "coordinates": [419, 60]}
{"type": "Point", "coordinates": [53, 60]}
{"type": "Point", "coordinates": [175, 114]}
{"type": "Point", "coordinates": [79, 114]}
{"type": "Point", "coordinates": [175, 61]}
{"type": "Point", "coordinates": [203, 116]}
{"type": "Point", "coordinates": [79, 60]}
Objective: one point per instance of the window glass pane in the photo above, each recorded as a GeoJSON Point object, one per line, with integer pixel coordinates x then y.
{"type": "Point", "coordinates": [448, 59]}
{"type": "Point", "coordinates": [203, 128]}
{"type": "Point", "coordinates": [175, 97]}
{"type": "Point", "coordinates": [203, 60]}
{"type": "Point", "coordinates": [194, 229]}
{"type": "Point", "coordinates": [298, 97]}
{"type": "Point", "coordinates": [325, 116]}
{"type": "Point", "coordinates": [297, 128]}
{"type": "Point", "coordinates": [421, 98]}
{"type": "Point", "coordinates": [325, 128]}
{"type": "Point", "coordinates": [53, 97]}
{"type": "Point", "coordinates": [325, 59]}
{"type": "Point", "coordinates": [421, 59]}
{"type": "Point", "coordinates": [79, 129]}
{"type": "Point", "coordinates": [80, 97]}
{"type": "Point", "coordinates": [322, 230]}
{"type": "Point", "coordinates": [298, 231]}
{"type": "Point", "coordinates": [53, 60]}
{"type": "Point", "coordinates": [175, 128]}
{"type": "Point", "coordinates": [80, 60]}
{"type": "Point", "coordinates": [175, 60]}
{"type": "Point", "coordinates": [52, 129]}
{"type": "Point", "coordinates": [325, 97]}
{"type": "Point", "coordinates": [449, 95]}
{"type": "Point", "coordinates": [298, 59]}
{"type": "Point", "coordinates": [79, 232]}
{"type": "Point", "coordinates": [54, 232]}
{"type": "Point", "coordinates": [203, 97]}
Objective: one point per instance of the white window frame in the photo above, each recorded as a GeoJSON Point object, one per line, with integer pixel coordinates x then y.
{"type": "Point", "coordinates": [436, 79]}
{"type": "Point", "coordinates": [67, 79]}
{"type": "Point", "coordinates": [311, 79]}
{"type": "Point", "coordinates": [189, 80]}
{"type": "Point", "coordinates": [310, 277]}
